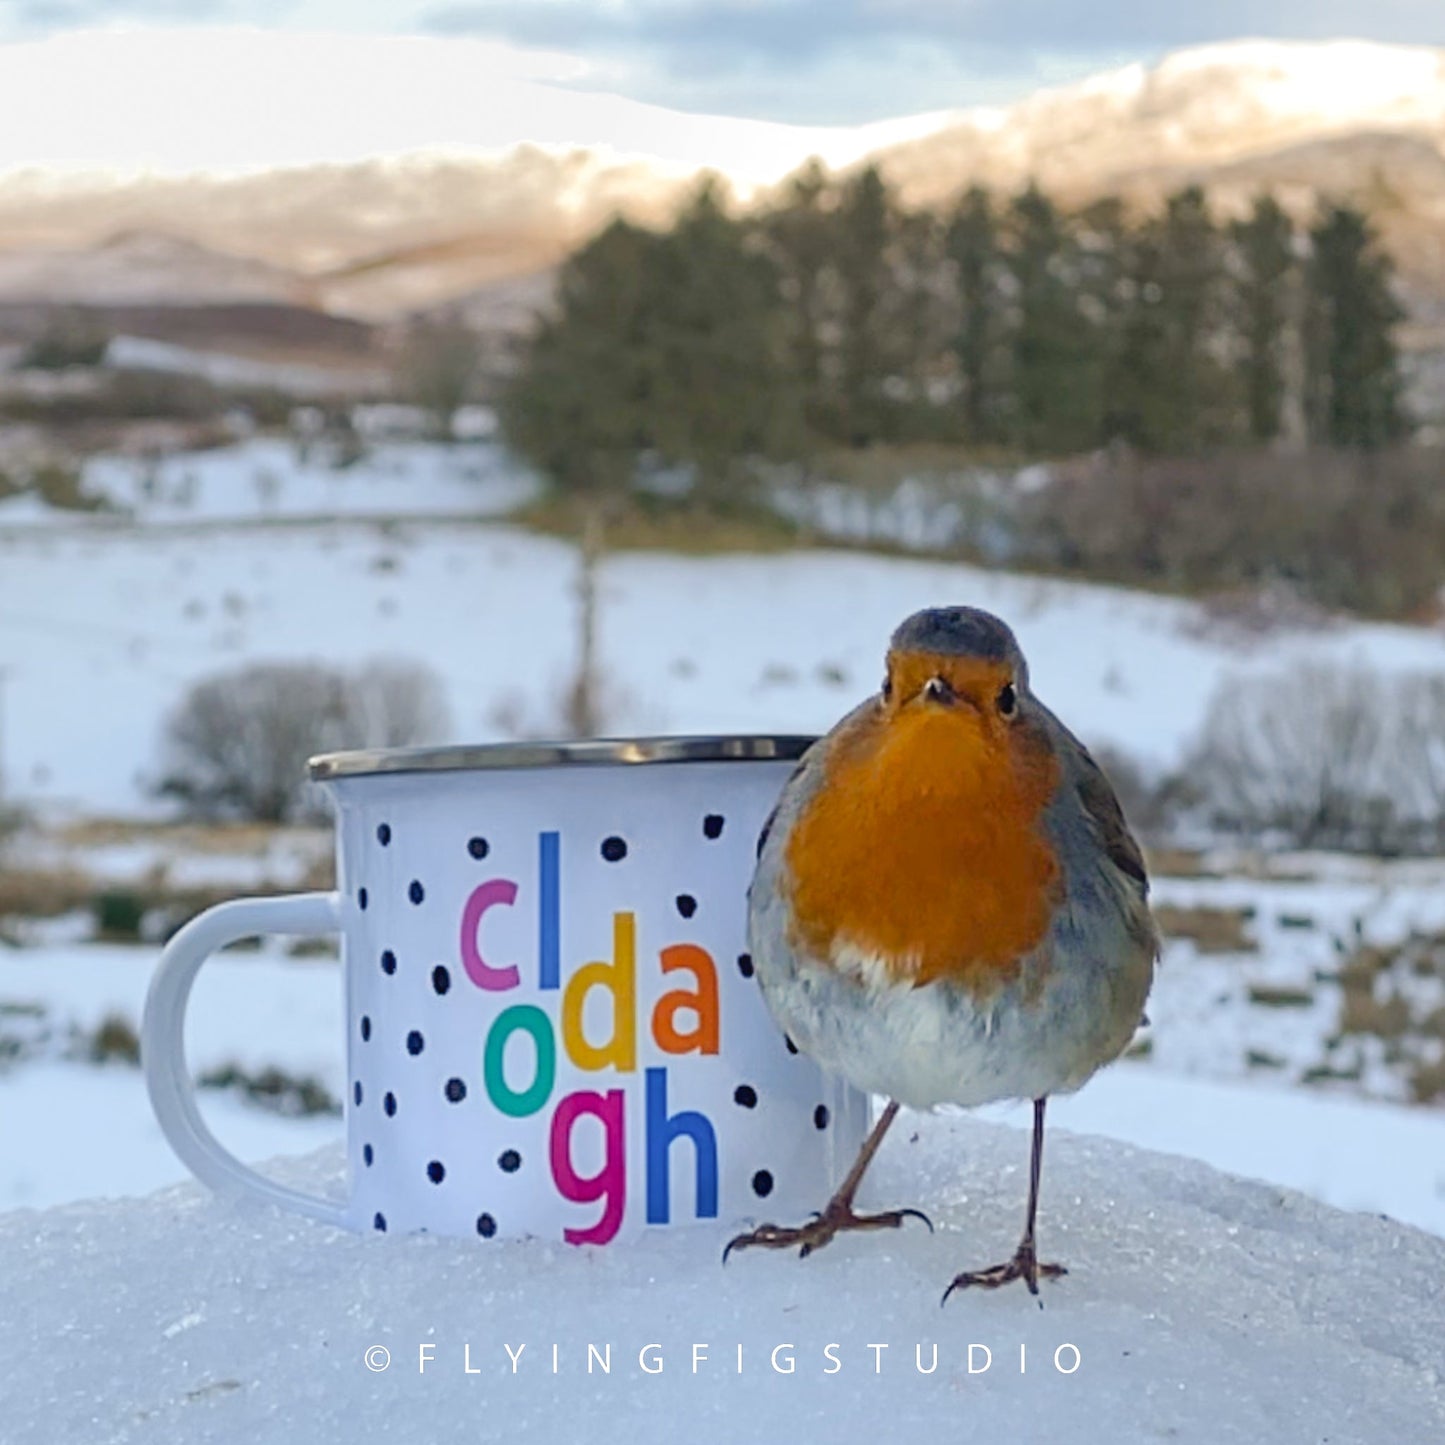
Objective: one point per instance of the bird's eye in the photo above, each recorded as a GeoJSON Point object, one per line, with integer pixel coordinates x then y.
{"type": "Point", "coordinates": [937, 689]}
{"type": "Point", "coordinates": [887, 688]}
{"type": "Point", "coordinates": [1008, 700]}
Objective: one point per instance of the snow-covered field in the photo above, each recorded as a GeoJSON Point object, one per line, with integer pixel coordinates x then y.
{"type": "Point", "coordinates": [71, 1129]}
{"type": "Point", "coordinates": [101, 629]}
{"type": "Point", "coordinates": [224, 369]}
{"type": "Point", "coordinates": [269, 479]}
{"type": "Point", "coordinates": [1202, 1307]}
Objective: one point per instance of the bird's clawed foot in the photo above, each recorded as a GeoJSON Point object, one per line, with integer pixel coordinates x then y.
{"type": "Point", "coordinates": [836, 1218]}
{"type": "Point", "coordinates": [1024, 1265]}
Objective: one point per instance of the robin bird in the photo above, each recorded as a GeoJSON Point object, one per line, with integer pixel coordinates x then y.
{"type": "Point", "coordinates": [948, 906]}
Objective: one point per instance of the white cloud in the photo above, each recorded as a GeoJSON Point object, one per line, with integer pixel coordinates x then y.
{"type": "Point", "coordinates": [171, 101]}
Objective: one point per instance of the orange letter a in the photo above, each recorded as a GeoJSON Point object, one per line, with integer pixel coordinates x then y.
{"type": "Point", "coordinates": [703, 1002]}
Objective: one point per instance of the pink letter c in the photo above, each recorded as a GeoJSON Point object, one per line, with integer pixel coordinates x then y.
{"type": "Point", "coordinates": [481, 973]}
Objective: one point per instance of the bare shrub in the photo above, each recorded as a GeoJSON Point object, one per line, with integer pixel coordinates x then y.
{"type": "Point", "coordinates": [1243, 615]}
{"type": "Point", "coordinates": [42, 892]}
{"type": "Point", "coordinates": [1346, 530]}
{"type": "Point", "coordinates": [292, 1095]}
{"type": "Point", "coordinates": [72, 337]}
{"type": "Point", "coordinates": [1327, 756]}
{"type": "Point", "coordinates": [394, 702]}
{"type": "Point", "coordinates": [114, 1038]}
{"type": "Point", "coordinates": [236, 745]}
{"type": "Point", "coordinates": [14, 820]}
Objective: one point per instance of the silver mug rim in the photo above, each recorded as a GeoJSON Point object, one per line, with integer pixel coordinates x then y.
{"type": "Point", "coordinates": [587, 752]}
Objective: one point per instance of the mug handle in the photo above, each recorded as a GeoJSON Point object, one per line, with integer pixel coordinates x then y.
{"type": "Point", "coordinates": [163, 1054]}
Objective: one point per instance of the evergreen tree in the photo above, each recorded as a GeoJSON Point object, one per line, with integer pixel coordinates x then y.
{"type": "Point", "coordinates": [1353, 384]}
{"type": "Point", "coordinates": [972, 245]}
{"type": "Point", "coordinates": [578, 404]}
{"type": "Point", "coordinates": [1168, 390]}
{"type": "Point", "coordinates": [799, 237]}
{"type": "Point", "coordinates": [722, 389]}
{"type": "Point", "coordinates": [1133, 410]}
{"type": "Point", "coordinates": [1264, 247]}
{"type": "Point", "coordinates": [1102, 243]}
{"type": "Point", "coordinates": [1101, 233]}
{"type": "Point", "coordinates": [1055, 354]}
{"type": "Point", "coordinates": [1193, 385]}
{"type": "Point", "coordinates": [864, 227]}
{"type": "Point", "coordinates": [667, 346]}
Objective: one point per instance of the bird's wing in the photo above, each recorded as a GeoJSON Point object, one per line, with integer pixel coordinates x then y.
{"type": "Point", "coordinates": [1084, 786]}
{"type": "Point", "coordinates": [1101, 803]}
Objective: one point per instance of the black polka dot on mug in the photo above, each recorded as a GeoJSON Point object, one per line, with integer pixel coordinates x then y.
{"type": "Point", "coordinates": [686, 904]}
{"type": "Point", "coordinates": [388, 961]}
{"type": "Point", "coordinates": [455, 1090]}
{"type": "Point", "coordinates": [762, 1183]}
{"type": "Point", "coordinates": [361, 899]}
{"type": "Point", "coordinates": [436, 1171]}
{"type": "Point", "coordinates": [415, 891]}
{"type": "Point", "coordinates": [509, 1161]}
{"type": "Point", "coordinates": [415, 1043]}
{"type": "Point", "coordinates": [383, 833]}
{"type": "Point", "coordinates": [820, 1117]}
{"type": "Point", "coordinates": [745, 964]}
{"type": "Point", "coordinates": [486, 1226]}
{"type": "Point", "coordinates": [389, 1105]}
{"type": "Point", "coordinates": [712, 825]}
{"type": "Point", "coordinates": [365, 1028]}
{"type": "Point", "coordinates": [746, 1096]}
{"type": "Point", "coordinates": [614, 849]}
{"type": "Point", "coordinates": [368, 1154]}
{"type": "Point", "coordinates": [441, 979]}
{"type": "Point", "coordinates": [378, 1221]}
{"type": "Point", "coordinates": [478, 847]}
{"type": "Point", "coordinates": [356, 1093]}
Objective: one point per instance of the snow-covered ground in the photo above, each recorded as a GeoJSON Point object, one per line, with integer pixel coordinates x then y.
{"type": "Point", "coordinates": [70, 1129]}
{"type": "Point", "coordinates": [1196, 1308]}
{"type": "Point", "coordinates": [143, 353]}
{"type": "Point", "coordinates": [102, 630]}
{"type": "Point", "coordinates": [1201, 1307]}
{"type": "Point", "coordinates": [267, 479]}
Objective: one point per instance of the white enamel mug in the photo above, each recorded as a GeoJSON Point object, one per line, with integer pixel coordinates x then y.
{"type": "Point", "coordinates": [552, 1027]}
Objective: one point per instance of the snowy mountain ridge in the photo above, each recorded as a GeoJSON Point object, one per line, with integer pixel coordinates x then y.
{"type": "Point", "coordinates": [564, 160]}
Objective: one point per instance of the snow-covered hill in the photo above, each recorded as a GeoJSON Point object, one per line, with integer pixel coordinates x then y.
{"type": "Point", "coordinates": [126, 617]}
{"type": "Point", "coordinates": [383, 216]}
{"type": "Point", "coordinates": [137, 267]}
{"type": "Point", "coordinates": [1198, 108]}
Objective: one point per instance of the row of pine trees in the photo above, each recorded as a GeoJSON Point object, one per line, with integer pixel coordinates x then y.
{"type": "Point", "coordinates": [839, 318]}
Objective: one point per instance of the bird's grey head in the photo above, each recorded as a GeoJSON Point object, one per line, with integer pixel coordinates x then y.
{"type": "Point", "coordinates": [961, 632]}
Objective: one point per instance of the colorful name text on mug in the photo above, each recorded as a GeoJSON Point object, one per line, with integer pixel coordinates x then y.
{"type": "Point", "coordinates": [683, 1021]}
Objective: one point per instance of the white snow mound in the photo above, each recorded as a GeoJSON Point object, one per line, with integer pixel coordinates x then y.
{"type": "Point", "coordinates": [1199, 1307]}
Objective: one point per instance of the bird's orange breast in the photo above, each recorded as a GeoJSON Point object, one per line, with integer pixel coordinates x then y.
{"type": "Point", "coordinates": [923, 849]}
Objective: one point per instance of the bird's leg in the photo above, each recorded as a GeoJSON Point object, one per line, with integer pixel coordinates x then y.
{"type": "Point", "coordinates": [838, 1213]}
{"type": "Point", "coordinates": [1025, 1263]}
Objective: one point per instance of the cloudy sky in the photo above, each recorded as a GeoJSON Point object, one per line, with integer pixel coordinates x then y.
{"type": "Point", "coordinates": [819, 62]}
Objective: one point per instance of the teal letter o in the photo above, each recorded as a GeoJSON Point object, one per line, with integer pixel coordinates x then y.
{"type": "Point", "coordinates": [532, 1020]}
